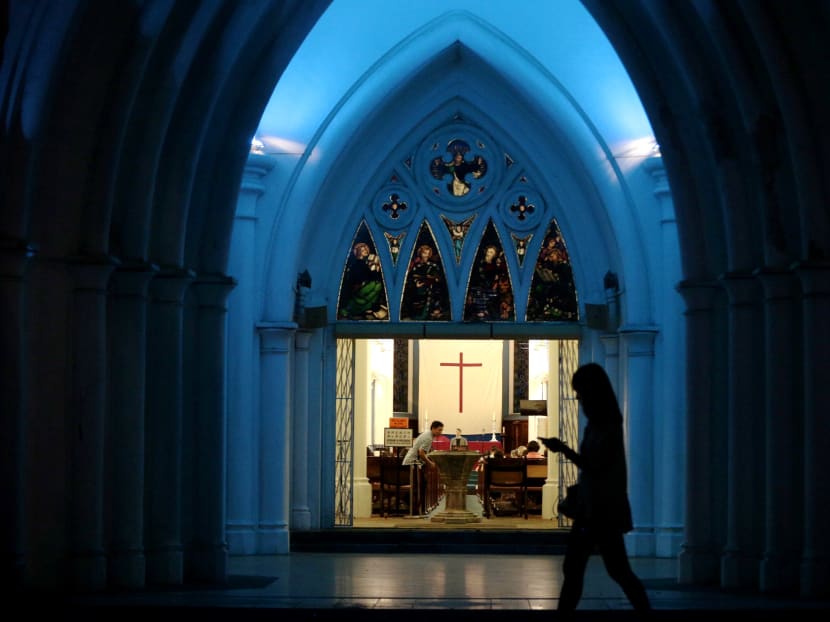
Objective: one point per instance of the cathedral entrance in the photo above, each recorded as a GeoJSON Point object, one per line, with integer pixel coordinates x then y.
{"type": "Point", "coordinates": [497, 395]}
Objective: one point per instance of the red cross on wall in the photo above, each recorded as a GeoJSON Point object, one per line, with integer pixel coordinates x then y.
{"type": "Point", "coordinates": [461, 365]}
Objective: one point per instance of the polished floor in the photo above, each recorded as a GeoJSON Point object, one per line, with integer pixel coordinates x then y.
{"type": "Point", "coordinates": [388, 586]}
{"type": "Point", "coordinates": [475, 571]}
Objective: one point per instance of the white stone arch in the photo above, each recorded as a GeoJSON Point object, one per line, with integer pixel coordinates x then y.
{"type": "Point", "coordinates": [369, 119]}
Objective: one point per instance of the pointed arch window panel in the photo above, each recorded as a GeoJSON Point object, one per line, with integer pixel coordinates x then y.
{"type": "Point", "coordinates": [490, 291]}
{"type": "Point", "coordinates": [552, 295]}
{"type": "Point", "coordinates": [425, 293]}
{"type": "Point", "coordinates": [362, 290]}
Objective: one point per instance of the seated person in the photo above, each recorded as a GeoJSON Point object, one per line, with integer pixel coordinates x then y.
{"type": "Point", "coordinates": [533, 450]}
{"type": "Point", "coordinates": [459, 443]}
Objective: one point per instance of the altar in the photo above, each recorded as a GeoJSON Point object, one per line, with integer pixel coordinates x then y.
{"type": "Point", "coordinates": [454, 468]}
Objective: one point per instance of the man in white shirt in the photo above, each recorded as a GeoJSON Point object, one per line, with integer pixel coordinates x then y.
{"type": "Point", "coordinates": [418, 456]}
{"type": "Point", "coordinates": [422, 445]}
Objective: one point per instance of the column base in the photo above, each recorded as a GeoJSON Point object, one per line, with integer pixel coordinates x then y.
{"type": "Point", "coordinates": [779, 574]}
{"type": "Point", "coordinates": [127, 570]}
{"type": "Point", "coordinates": [208, 564]}
{"type": "Point", "coordinates": [88, 572]}
{"type": "Point", "coordinates": [640, 542]}
{"type": "Point", "coordinates": [242, 538]}
{"type": "Point", "coordinates": [815, 577]}
{"type": "Point", "coordinates": [668, 541]}
{"type": "Point", "coordinates": [273, 541]}
{"type": "Point", "coordinates": [165, 567]}
{"type": "Point", "coordinates": [697, 566]}
{"type": "Point", "coordinates": [738, 570]}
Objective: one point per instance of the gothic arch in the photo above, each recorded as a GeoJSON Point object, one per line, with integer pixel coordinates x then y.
{"type": "Point", "coordinates": [598, 212]}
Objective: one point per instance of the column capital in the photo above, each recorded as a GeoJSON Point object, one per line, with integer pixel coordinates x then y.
{"type": "Point", "coordinates": [742, 288]}
{"type": "Point", "coordinates": [778, 283]}
{"type": "Point", "coordinates": [639, 340]}
{"type": "Point", "coordinates": [611, 343]}
{"type": "Point", "coordinates": [257, 167]}
{"type": "Point", "coordinates": [92, 272]}
{"type": "Point", "coordinates": [170, 284]}
{"type": "Point", "coordinates": [303, 339]}
{"type": "Point", "coordinates": [14, 257]}
{"type": "Point", "coordinates": [276, 336]}
{"type": "Point", "coordinates": [655, 167]}
{"type": "Point", "coordinates": [130, 280]}
{"type": "Point", "coordinates": [698, 295]}
{"type": "Point", "coordinates": [212, 290]}
{"type": "Point", "coordinates": [814, 276]}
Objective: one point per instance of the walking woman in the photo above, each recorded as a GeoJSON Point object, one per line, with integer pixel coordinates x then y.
{"type": "Point", "coordinates": [604, 512]}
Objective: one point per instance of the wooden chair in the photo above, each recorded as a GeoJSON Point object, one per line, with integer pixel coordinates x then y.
{"type": "Point", "coordinates": [503, 476]}
{"type": "Point", "coordinates": [373, 475]}
{"type": "Point", "coordinates": [394, 486]}
{"type": "Point", "coordinates": [537, 474]}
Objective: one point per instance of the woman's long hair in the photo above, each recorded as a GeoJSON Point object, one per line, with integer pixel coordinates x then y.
{"type": "Point", "coordinates": [596, 395]}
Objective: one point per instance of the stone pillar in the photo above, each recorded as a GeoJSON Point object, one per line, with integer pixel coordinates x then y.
{"type": "Point", "coordinates": [611, 350]}
{"type": "Point", "coordinates": [740, 561]}
{"type": "Point", "coordinates": [362, 491]}
{"type": "Point", "coordinates": [670, 389]}
{"type": "Point", "coordinates": [87, 564]}
{"type": "Point", "coordinates": [243, 361]}
{"type": "Point", "coordinates": [210, 549]}
{"type": "Point", "coordinates": [14, 259]}
{"type": "Point", "coordinates": [276, 349]}
{"type": "Point", "coordinates": [127, 364]}
{"type": "Point", "coordinates": [815, 560]}
{"type": "Point", "coordinates": [783, 420]}
{"type": "Point", "coordinates": [638, 408]}
{"type": "Point", "coordinates": [163, 429]}
{"type": "Point", "coordinates": [301, 456]}
{"type": "Point", "coordinates": [699, 554]}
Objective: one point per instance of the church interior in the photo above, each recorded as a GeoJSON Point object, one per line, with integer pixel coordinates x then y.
{"type": "Point", "coordinates": [251, 250]}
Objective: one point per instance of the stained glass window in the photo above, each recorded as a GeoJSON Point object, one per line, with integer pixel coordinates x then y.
{"type": "Point", "coordinates": [425, 294]}
{"type": "Point", "coordinates": [490, 292]}
{"type": "Point", "coordinates": [552, 295]}
{"type": "Point", "coordinates": [362, 291]}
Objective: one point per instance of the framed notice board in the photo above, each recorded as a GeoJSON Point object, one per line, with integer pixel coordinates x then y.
{"type": "Point", "coordinates": [397, 437]}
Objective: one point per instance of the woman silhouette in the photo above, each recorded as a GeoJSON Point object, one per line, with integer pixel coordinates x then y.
{"type": "Point", "coordinates": [605, 513]}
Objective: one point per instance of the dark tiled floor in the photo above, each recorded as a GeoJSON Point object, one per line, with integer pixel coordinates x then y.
{"type": "Point", "coordinates": [429, 587]}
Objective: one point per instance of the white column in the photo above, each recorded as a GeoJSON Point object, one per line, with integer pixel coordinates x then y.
{"type": "Point", "coordinates": [243, 363]}
{"type": "Point", "coordinates": [815, 560]}
{"type": "Point", "coordinates": [88, 351]}
{"type": "Point", "coordinates": [611, 360]}
{"type": "Point", "coordinates": [127, 364]}
{"type": "Point", "coordinates": [669, 396]}
{"type": "Point", "coordinates": [301, 456]}
{"type": "Point", "coordinates": [362, 395]}
{"type": "Point", "coordinates": [783, 441]}
{"type": "Point", "coordinates": [745, 470]}
{"type": "Point", "coordinates": [163, 428]}
{"type": "Point", "coordinates": [276, 349]}
{"type": "Point", "coordinates": [699, 554]}
{"type": "Point", "coordinates": [637, 344]}
{"type": "Point", "coordinates": [14, 386]}
{"type": "Point", "coordinates": [210, 549]}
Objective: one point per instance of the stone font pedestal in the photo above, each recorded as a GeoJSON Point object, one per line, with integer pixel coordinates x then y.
{"type": "Point", "coordinates": [455, 467]}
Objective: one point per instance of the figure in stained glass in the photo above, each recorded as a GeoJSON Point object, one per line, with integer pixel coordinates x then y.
{"type": "Point", "coordinates": [552, 292]}
{"type": "Point", "coordinates": [394, 243]}
{"type": "Point", "coordinates": [520, 244]}
{"type": "Point", "coordinates": [362, 292]}
{"type": "Point", "coordinates": [490, 293]}
{"type": "Point", "coordinates": [425, 295]}
{"type": "Point", "coordinates": [458, 231]}
{"type": "Point", "coordinates": [458, 167]}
